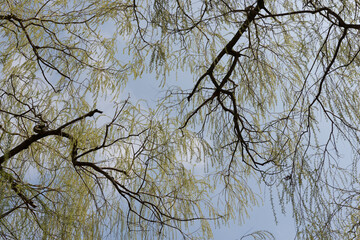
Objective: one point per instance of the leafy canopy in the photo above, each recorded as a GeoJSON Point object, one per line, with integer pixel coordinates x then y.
{"type": "Point", "coordinates": [274, 98]}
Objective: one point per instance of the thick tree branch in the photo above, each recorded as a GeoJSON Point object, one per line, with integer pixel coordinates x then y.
{"type": "Point", "coordinates": [26, 143]}
{"type": "Point", "coordinates": [228, 49]}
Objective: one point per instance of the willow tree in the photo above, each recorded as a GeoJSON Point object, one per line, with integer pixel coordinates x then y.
{"type": "Point", "coordinates": [274, 97]}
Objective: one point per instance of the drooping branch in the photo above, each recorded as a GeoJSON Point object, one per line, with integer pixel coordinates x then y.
{"type": "Point", "coordinates": [16, 187]}
{"type": "Point", "coordinates": [328, 68]}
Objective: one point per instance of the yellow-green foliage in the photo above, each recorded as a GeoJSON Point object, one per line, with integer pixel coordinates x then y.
{"type": "Point", "coordinates": [273, 102]}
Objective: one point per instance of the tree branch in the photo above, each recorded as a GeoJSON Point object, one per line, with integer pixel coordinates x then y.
{"type": "Point", "coordinates": [26, 143]}
{"type": "Point", "coordinates": [228, 49]}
